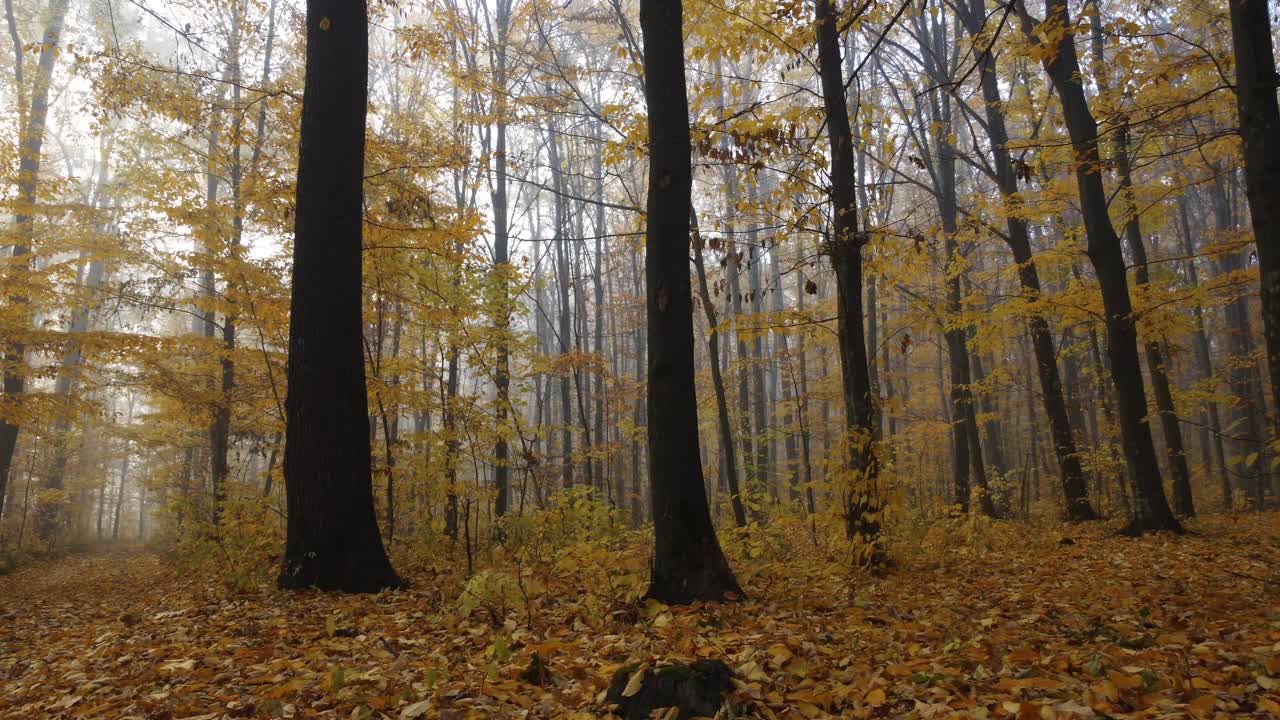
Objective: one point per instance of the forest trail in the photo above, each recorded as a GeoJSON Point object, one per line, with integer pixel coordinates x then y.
{"type": "Point", "coordinates": [87, 578]}
{"type": "Point", "coordinates": [1006, 621]}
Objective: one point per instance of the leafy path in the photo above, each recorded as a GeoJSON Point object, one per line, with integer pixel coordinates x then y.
{"type": "Point", "coordinates": [1031, 628]}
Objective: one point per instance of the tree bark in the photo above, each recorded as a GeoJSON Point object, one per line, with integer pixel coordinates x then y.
{"type": "Point", "coordinates": [501, 266]}
{"type": "Point", "coordinates": [725, 427]}
{"type": "Point", "coordinates": [688, 564]}
{"type": "Point", "coordinates": [333, 541]}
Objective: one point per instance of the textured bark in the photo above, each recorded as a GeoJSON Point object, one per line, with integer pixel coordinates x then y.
{"type": "Point", "coordinates": [688, 564]}
{"type": "Point", "coordinates": [333, 541]}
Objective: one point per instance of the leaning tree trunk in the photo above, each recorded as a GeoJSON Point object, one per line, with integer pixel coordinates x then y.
{"type": "Point", "coordinates": [724, 425]}
{"type": "Point", "coordinates": [1260, 129]}
{"type": "Point", "coordinates": [688, 564]}
{"type": "Point", "coordinates": [862, 502]}
{"type": "Point", "coordinates": [333, 541]}
{"type": "Point", "coordinates": [1075, 490]}
{"type": "Point", "coordinates": [1161, 385]}
{"type": "Point", "coordinates": [1151, 508]}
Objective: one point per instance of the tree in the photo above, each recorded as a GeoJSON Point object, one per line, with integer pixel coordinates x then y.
{"type": "Point", "coordinates": [1018, 238]}
{"type": "Point", "coordinates": [333, 541]}
{"type": "Point", "coordinates": [1150, 508]}
{"type": "Point", "coordinates": [862, 503]}
{"type": "Point", "coordinates": [688, 564]}
{"type": "Point", "coordinates": [30, 145]}
{"type": "Point", "coordinates": [1256, 80]}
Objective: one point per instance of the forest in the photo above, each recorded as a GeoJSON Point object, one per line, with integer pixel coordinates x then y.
{"type": "Point", "coordinates": [639, 359]}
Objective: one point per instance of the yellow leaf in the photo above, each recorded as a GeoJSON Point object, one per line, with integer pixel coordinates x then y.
{"type": "Point", "coordinates": [636, 681]}
{"type": "Point", "coordinates": [875, 698]}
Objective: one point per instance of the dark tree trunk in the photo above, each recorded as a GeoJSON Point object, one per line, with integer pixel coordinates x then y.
{"type": "Point", "coordinates": [220, 430]}
{"type": "Point", "coordinates": [728, 460]}
{"type": "Point", "coordinates": [688, 564]}
{"type": "Point", "coordinates": [333, 541]}
{"type": "Point", "coordinates": [1256, 82]}
{"type": "Point", "coordinates": [1151, 508]}
{"type": "Point", "coordinates": [1075, 491]}
{"type": "Point", "coordinates": [452, 445]}
{"type": "Point", "coordinates": [1183, 504]}
{"type": "Point", "coordinates": [802, 396]}
{"type": "Point", "coordinates": [1161, 386]}
{"type": "Point", "coordinates": [861, 497]}
{"type": "Point", "coordinates": [763, 467]}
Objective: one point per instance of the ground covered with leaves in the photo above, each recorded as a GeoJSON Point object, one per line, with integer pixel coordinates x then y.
{"type": "Point", "coordinates": [999, 621]}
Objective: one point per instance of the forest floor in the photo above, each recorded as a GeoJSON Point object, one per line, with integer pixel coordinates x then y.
{"type": "Point", "coordinates": [1016, 623]}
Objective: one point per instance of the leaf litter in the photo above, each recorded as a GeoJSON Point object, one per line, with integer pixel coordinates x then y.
{"type": "Point", "coordinates": [1026, 627]}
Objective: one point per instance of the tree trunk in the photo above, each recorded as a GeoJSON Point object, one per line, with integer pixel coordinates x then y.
{"type": "Point", "coordinates": [1256, 80]}
{"type": "Point", "coordinates": [861, 497]}
{"type": "Point", "coordinates": [30, 146]}
{"type": "Point", "coordinates": [333, 541]}
{"type": "Point", "coordinates": [1183, 504]}
{"type": "Point", "coordinates": [562, 282]}
{"type": "Point", "coordinates": [502, 268]}
{"type": "Point", "coordinates": [1151, 508]}
{"type": "Point", "coordinates": [728, 460]}
{"type": "Point", "coordinates": [688, 564]}
{"type": "Point", "coordinates": [787, 379]}
{"type": "Point", "coordinates": [1161, 386]}
{"type": "Point", "coordinates": [1070, 473]}
{"type": "Point", "coordinates": [763, 470]}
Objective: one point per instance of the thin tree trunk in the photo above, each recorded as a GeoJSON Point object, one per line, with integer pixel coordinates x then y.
{"type": "Point", "coordinates": [727, 460]}
{"type": "Point", "coordinates": [861, 496]}
{"type": "Point", "coordinates": [1070, 473]}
